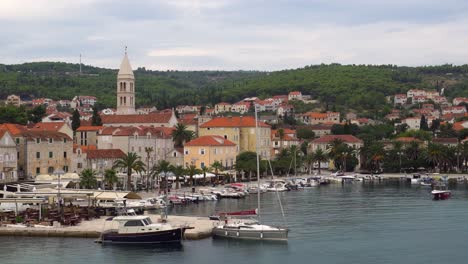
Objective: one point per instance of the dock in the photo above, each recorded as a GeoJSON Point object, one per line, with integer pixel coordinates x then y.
{"type": "Point", "coordinates": [202, 228]}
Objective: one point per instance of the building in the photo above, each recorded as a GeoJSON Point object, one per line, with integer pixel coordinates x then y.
{"type": "Point", "coordinates": [295, 95]}
{"type": "Point", "coordinates": [176, 157]}
{"type": "Point", "coordinates": [44, 152]}
{"type": "Point", "coordinates": [415, 92]}
{"type": "Point", "coordinates": [101, 160]}
{"type": "Point", "coordinates": [58, 117]}
{"type": "Point", "coordinates": [205, 150]}
{"type": "Point", "coordinates": [458, 126]}
{"type": "Point", "coordinates": [240, 107]}
{"type": "Point", "coordinates": [450, 142]}
{"type": "Point", "coordinates": [400, 99]}
{"type": "Point", "coordinates": [161, 119]}
{"type": "Point", "coordinates": [324, 142]}
{"type": "Point", "coordinates": [284, 109]}
{"type": "Point", "coordinates": [241, 131]}
{"type": "Point", "coordinates": [419, 99]}
{"type": "Point", "coordinates": [146, 110]}
{"type": "Point", "coordinates": [278, 142]}
{"type": "Point", "coordinates": [459, 100]}
{"type": "Point", "coordinates": [87, 135]}
{"type": "Point", "coordinates": [61, 127]}
{"type": "Point", "coordinates": [125, 88]}
{"type": "Point", "coordinates": [313, 118]}
{"type": "Point", "coordinates": [81, 100]}
{"type": "Point", "coordinates": [412, 122]}
{"type": "Point", "coordinates": [454, 110]}
{"type": "Point", "coordinates": [13, 100]}
{"type": "Point", "coordinates": [79, 162]}
{"type": "Point", "coordinates": [321, 129]}
{"type": "Point", "coordinates": [8, 155]}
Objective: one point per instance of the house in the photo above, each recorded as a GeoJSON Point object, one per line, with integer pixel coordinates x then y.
{"type": "Point", "coordinates": [61, 127]}
{"type": "Point", "coordinates": [146, 110]}
{"type": "Point", "coordinates": [450, 142]}
{"type": "Point", "coordinates": [284, 109]}
{"type": "Point", "coordinates": [279, 142]}
{"type": "Point", "coordinates": [79, 157]}
{"type": "Point", "coordinates": [431, 94]}
{"type": "Point", "coordinates": [205, 150]}
{"type": "Point", "coordinates": [176, 157]}
{"type": "Point", "coordinates": [241, 131]}
{"type": "Point", "coordinates": [415, 92]}
{"type": "Point", "coordinates": [222, 107]}
{"type": "Point", "coordinates": [392, 117]}
{"type": "Point", "coordinates": [161, 119]}
{"type": "Point", "coordinates": [412, 122]}
{"type": "Point", "coordinates": [400, 99]}
{"type": "Point", "coordinates": [241, 107]}
{"type": "Point", "coordinates": [321, 129]}
{"type": "Point", "coordinates": [351, 116]}
{"type": "Point", "coordinates": [8, 157]}
{"type": "Point", "coordinates": [419, 99]}
{"type": "Point", "coordinates": [458, 100]}
{"type": "Point", "coordinates": [313, 118]}
{"type": "Point", "coordinates": [280, 99]}
{"type": "Point", "coordinates": [324, 142]}
{"type": "Point", "coordinates": [295, 95]}
{"type": "Point", "coordinates": [64, 103]}
{"type": "Point", "coordinates": [58, 117]}
{"type": "Point", "coordinates": [440, 100]}
{"type": "Point", "coordinates": [41, 101]}
{"type": "Point", "coordinates": [190, 121]}
{"type": "Point", "coordinates": [454, 110]}
{"type": "Point", "coordinates": [13, 100]}
{"type": "Point", "coordinates": [81, 100]}
{"type": "Point", "coordinates": [458, 126]}
{"type": "Point", "coordinates": [44, 152]}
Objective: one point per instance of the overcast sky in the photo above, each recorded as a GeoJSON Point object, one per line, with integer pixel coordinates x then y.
{"type": "Point", "coordinates": [235, 34]}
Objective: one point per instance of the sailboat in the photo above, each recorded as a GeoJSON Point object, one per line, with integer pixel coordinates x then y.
{"type": "Point", "coordinates": [249, 229]}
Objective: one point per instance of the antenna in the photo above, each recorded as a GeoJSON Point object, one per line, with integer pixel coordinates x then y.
{"type": "Point", "coordinates": [125, 49]}
{"type": "Point", "coordinates": [80, 63]}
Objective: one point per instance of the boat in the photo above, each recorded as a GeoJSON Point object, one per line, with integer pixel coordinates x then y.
{"type": "Point", "coordinates": [277, 186]}
{"type": "Point", "coordinates": [441, 192]}
{"type": "Point", "coordinates": [134, 229]}
{"type": "Point", "coordinates": [415, 179]}
{"type": "Point", "coordinates": [250, 229]}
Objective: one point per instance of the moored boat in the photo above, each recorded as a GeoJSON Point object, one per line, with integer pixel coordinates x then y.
{"type": "Point", "coordinates": [141, 230]}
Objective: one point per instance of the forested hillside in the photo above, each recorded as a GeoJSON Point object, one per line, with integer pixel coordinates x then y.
{"type": "Point", "coordinates": [339, 87]}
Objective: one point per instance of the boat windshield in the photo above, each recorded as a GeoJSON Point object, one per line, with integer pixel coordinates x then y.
{"type": "Point", "coordinates": [147, 221]}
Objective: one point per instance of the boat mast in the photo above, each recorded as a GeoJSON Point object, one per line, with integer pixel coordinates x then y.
{"type": "Point", "coordinates": [258, 162]}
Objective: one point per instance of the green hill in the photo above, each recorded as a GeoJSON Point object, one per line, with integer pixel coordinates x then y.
{"type": "Point", "coordinates": [340, 87]}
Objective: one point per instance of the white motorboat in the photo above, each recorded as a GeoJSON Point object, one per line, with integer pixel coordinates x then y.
{"type": "Point", "coordinates": [277, 186]}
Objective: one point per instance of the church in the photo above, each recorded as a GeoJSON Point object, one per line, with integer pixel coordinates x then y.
{"type": "Point", "coordinates": [126, 115]}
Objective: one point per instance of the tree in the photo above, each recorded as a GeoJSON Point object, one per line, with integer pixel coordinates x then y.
{"type": "Point", "coordinates": [204, 170]}
{"type": "Point", "coordinates": [423, 123]}
{"type": "Point", "coordinates": [178, 172]}
{"type": "Point", "coordinates": [36, 114]}
{"type": "Point", "coordinates": [217, 166]}
{"type": "Point", "coordinates": [191, 171]}
{"type": "Point", "coordinates": [247, 162]}
{"type": "Point", "coordinates": [148, 151]}
{"type": "Point", "coordinates": [76, 122]}
{"type": "Point", "coordinates": [163, 167]}
{"type": "Point", "coordinates": [319, 157]}
{"type": "Point", "coordinates": [181, 135]}
{"type": "Point", "coordinates": [305, 133]}
{"type": "Point", "coordinates": [96, 118]}
{"type": "Point", "coordinates": [434, 155]}
{"type": "Point", "coordinates": [129, 163]}
{"type": "Point", "coordinates": [88, 179]}
{"type": "Point", "coordinates": [110, 177]}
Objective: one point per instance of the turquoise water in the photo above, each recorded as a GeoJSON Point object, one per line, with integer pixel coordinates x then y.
{"type": "Point", "coordinates": [333, 224]}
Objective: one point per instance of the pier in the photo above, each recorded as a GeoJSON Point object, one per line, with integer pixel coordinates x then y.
{"type": "Point", "coordinates": [202, 228]}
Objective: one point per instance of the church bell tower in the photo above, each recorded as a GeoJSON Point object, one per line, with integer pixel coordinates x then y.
{"type": "Point", "coordinates": [125, 88]}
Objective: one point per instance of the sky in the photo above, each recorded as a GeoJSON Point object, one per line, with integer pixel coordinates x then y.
{"type": "Point", "coordinates": [261, 35]}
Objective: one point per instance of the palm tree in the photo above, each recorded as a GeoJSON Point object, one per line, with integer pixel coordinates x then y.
{"type": "Point", "coordinates": [336, 150]}
{"type": "Point", "coordinates": [110, 177]}
{"type": "Point", "coordinates": [178, 172]}
{"type": "Point", "coordinates": [204, 170]}
{"type": "Point", "coordinates": [309, 160]}
{"type": "Point", "coordinates": [130, 162]}
{"type": "Point", "coordinates": [181, 135]}
{"type": "Point", "coordinates": [281, 137]}
{"type": "Point", "coordinates": [319, 157]}
{"type": "Point", "coordinates": [217, 166]}
{"type": "Point", "coordinates": [192, 170]}
{"type": "Point", "coordinates": [148, 151]}
{"type": "Point", "coordinates": [163, 167]}
{"type": "Point", "coordinates": [88, 179]}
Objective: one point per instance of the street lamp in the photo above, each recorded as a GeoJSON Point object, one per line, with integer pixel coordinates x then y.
{"type": "Point", "coordinates": [59, 173]}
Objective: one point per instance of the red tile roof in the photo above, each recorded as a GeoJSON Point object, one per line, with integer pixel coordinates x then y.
{"type": "Point", "coordinates": [460, 125]}
{"type": "Point", "coordinates": [407, 139]}
{"type": "Point", "coordinates": [48, 126]}
{"type": "Point", "coordinates": [90, 128]}
{"type": "Point", "coordinates": [445, 140]}
{"type": "Point", "coordinates": [14, 129]}
{"type": "Point", "coordinates": [84, 149]}
{"type": "Point", "coordinates": [31, 135]}
{"type": "Point", "coordinates": [210, 141]}
{"type": "Point", "coordinates": [105, 154]}
{"type": "Point", "coordinates": [135, 119]}
{"type": "Point", "coordinates": [236, 121]}
{"type": "Point", "coordinates": [295, 93]}
{"type": "Point", "coordinates": [344, 138]}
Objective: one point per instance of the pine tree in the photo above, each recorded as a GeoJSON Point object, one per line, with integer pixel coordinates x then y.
{"type": "Point", "coordinates": [423, 123]}
{"type": "Point", "coordinates": [76, 120]}
{"type": "Point", "coordinates": [96, 119]}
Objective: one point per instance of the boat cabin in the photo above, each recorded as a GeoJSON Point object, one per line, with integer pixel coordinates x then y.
{"type": "Point", "coordinates": [137, 224]}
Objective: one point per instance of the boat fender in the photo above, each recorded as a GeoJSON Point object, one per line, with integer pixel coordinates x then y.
{"type": "Point", "coordinates": [261, 235]}
{"type": "Point", "coordinates": [226, 233]}
{"type": "Point", "coordinates": [237, 233]}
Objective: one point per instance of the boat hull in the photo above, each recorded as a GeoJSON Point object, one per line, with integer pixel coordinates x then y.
{"type": "Point", "coordinates": [438, 195]}
{"type": "Point", "coordinates": [269, 235]}
{"type": "Point", "coordinates": [160, 237]}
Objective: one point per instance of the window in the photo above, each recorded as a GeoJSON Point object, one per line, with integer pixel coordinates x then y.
{"type": "Point", "coordinates": [215, 151]}
{"type": "Point", "coordinates": [202, 165]}
{"type": "Point", "coordinates": [38, 140]}
{"type": "Point", "coordinates": [174, 154]}
{"type": "Point", "coordinates": [202, 151]}
{"type": "Point", "coordinates": [65, 154]}
{"type": "Point", "coordinates": [65, 168]}
{"type": "Point", "coordinates": [79, 165]}
{"type": "Point", "coordinates": [64, 140]}
{"type": "Point", "coordinates": [186, 152]}
{"type": "Point", "coordinates": [51, 141]}
{"type": "Point", "coordinates": [134, 223]}
{"type": "Point", "coordinates": [38, 170]}
{"type": "Point", "coordinates": [50, 170]}
{"type": "Point", "coordinates": [17, 141]}
{"type": "Point", "coordinates": [51, 154]}
{"type": "Point", "coordinates": [38, 155]}
{"type": "Point", "coordinates": [225, 136]}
